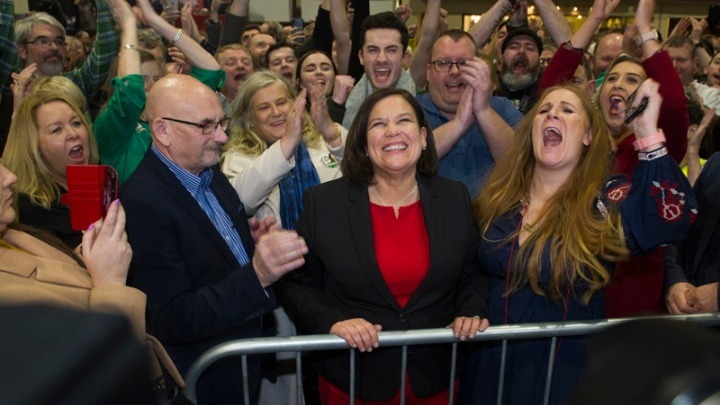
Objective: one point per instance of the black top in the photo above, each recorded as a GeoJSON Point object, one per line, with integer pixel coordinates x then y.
{"type": "Point", "coordinates": [55, 220]}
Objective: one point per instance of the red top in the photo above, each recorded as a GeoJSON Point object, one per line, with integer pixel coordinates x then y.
{"type": "Point", "coordinates": [402, 248]}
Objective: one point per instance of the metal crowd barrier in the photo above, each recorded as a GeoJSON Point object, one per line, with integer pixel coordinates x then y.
{"type": "Point", "coordinates": [298, 344]}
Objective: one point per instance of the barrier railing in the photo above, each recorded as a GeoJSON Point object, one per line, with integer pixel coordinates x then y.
{"type": "Point", "coordinates": [299, 344]}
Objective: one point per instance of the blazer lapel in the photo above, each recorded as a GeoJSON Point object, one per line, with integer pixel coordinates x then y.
{"type": "Point", "coordinates": [362, 235]}
{"type": "Point", "coordinates": [195, 213]}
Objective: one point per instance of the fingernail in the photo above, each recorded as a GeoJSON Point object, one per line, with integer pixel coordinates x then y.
{"type": "Point", "coordinates": [117, 202]}
{"type": "Point", "coordinates": [91, 227]}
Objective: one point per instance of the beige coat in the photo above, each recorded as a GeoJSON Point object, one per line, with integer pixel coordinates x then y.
{"type": "Point", "coordinates": [39, 273]}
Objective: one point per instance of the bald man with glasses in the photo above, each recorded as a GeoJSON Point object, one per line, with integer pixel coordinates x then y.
{"type": "Point", "coordinates": [194, 253]}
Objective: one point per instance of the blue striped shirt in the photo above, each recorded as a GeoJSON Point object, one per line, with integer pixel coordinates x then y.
{"type": "Point", "coordinates": [199, 188]}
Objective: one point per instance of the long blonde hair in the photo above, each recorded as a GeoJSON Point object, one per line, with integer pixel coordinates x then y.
{"type": "Point", "coordinates": [22, 150]}
{"type": "Point", "coordinates": [576, 236]}
{"type": "Point", "coordinates": [243, 137]}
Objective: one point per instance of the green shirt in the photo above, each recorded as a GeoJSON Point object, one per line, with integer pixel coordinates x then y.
{"type": "Point", "coordinates": [121, 136]}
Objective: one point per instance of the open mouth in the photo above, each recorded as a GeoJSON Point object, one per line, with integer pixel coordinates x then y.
{"type": "Point", "coordinates": [287, 75]}
{"type": "Point", "coordinates": [77, 152]}
{"type": "Point", "coordinates": [520, 67]}
{"type": "Point", "coordinates": [455, 86]}
{"type": "Point", "coordinates": [277, 124]}
{"type": "Point", "coordinates": [240, 77]}
{"type": "Point", "coordinates": [618, 105]}
{"type": "Point", "coordinates": [552, 136]}
{"type": "Point", "coordinates": [382, 73]}
{"type": "Point", "coordinates": [394, 147]}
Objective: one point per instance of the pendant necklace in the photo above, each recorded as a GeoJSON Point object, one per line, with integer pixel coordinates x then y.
{"type": "Point", "coordinates": [399, 203]}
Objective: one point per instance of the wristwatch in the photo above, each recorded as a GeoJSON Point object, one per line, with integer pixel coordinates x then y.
{"type": "Point", "coordinates": [642, 38]}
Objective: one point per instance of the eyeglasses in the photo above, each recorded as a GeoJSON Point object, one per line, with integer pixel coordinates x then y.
{"type": "Point", "coordinates": [443, 65]}
{"type": "Point", "coordinates": [207, 128]}
{"type": "Point", "coordinates": [45, 41]}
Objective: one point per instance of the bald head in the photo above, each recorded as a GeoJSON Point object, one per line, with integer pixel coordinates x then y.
{"type": "Point", "coordinates": [608, 48]}
{"type": "Point", "coordinates": [178, 106]}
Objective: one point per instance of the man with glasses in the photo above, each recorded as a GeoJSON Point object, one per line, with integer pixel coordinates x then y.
{"type": "Point", "coordinates": [193, 253]}
{"type": "Point", "coordinates": [471, 128]}
{"type": "Point", "coordinates": [40, 39]}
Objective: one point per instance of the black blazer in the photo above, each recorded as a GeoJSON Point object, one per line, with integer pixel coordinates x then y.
{"type": "Point", "coordinates": [197, 294]}
{"type": "Point", "coordinates": [696, 260]}
{"type": "Point", "coordinates": [341, 280]}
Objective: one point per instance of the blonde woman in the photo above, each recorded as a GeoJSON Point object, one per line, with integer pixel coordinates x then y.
{"type": "Point", "coordinates": [277, 149]}
{"type": "Point", "coordinates": [48, 133]}
{"type": "Point", "coordinates": [553, 221]}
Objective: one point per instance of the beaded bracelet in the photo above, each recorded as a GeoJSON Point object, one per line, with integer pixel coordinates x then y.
{"type": "Point", "coordinates": [336, 136]}
{"type": "Point", "coordinates": [657, 153]}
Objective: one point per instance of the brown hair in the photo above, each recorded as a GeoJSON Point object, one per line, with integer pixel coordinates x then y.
{"type": "Point", "coordinates": [356, 166]}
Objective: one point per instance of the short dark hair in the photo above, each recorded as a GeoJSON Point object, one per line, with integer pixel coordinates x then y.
{"type": "Point", "coordinates": [387, 20]}
{"type": "Point", "coordinates": [356, 166]}
{"type": "Point", "coordinates": [679, 41]}
{"type": "Point", "coordinates": [456, 35]}
{"type": "Point", "coordinates": [249, 27]}
{"type": "Point", "coordinates": [274, 48]}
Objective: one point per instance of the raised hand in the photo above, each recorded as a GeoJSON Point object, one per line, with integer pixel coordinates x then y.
{"type": "Point", "coordinates": [105, 248]}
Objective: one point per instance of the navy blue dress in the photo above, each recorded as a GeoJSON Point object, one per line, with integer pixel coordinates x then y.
{"type": "Point", "coordinates": [657, 208]}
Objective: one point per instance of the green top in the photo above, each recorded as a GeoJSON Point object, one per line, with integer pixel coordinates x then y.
{"type": "Point", "coordinates": [93, 72]}
{"type": "Point", "coordinates": [122, 137]}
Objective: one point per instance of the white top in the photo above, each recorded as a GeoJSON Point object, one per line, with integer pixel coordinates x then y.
{"type": "Point", "coordinates": [256, 178]}
{"type": "Point", "coordinates": [709, 95]}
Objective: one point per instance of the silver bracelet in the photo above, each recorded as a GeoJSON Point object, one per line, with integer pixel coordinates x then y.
{"type": "Point", "coordinates": [177, 36]}
{"type": "Point", "coordinates": [130, 46]}
{"type": "Point", "coordinates": [648, 156]}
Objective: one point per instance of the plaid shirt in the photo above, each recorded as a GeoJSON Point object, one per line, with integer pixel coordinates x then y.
{"type": "Point", "coordinates": [90, 76]}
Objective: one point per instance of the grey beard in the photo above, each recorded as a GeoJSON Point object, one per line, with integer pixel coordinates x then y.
{"type": "Point", "coordinates": [515, 82]}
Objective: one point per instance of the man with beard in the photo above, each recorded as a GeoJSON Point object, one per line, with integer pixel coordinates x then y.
{"type": "Point", "coordinates": [193, 255]}
{"type": "Point", "coordinates": [237, 63]}
{"type": "Point", "coordinates": [259, 45]}
{"type": "Point", "coordinates": [40, 39]}
{"type": "Point", "coordinates": [520, 67]}
{"type": "Point", "coordinates": [471, 128]}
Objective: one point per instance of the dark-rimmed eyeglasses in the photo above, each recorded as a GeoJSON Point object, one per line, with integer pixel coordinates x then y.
{"type": "Point", "coordinates": [444, 65]}
{"type": "Point", "coordinates": [46, 41]}
{"type": "Point", "coordinates": [207, 128]}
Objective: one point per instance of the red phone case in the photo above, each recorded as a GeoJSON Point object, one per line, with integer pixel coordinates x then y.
{"type": "Point", "coordinates": [91, 189]}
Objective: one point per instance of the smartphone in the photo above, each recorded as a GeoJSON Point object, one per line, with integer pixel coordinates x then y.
{"type": "Point", "coordinates": [633, 112]}
{"type": "Point", "coordinates": [174, 4]}
{"type": "Point", "coordinates": [91, 190]}
{"type": "Point", "coordinates": [297, 28]}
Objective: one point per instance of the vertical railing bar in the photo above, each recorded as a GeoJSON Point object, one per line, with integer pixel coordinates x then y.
{"type": "Point", "coordinates": [403, 374]}
{"type": "Point", "coordinates": [352, 376]}
{"type": "Point", "coordinates": [298, 378]}
{"type": "Point", "coordinates": [501, 381]}
{"type": "Point", "coordinates": [453, 364]}
{"type": "Point", "coordinates": [551, 362]}
{"type": "Point", "coordinates": [245, 382]}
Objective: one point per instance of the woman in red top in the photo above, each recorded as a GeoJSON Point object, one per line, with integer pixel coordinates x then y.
{"type": "Point", "coordinates": [391, 248]}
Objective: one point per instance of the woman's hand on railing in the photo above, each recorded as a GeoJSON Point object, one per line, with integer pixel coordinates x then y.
{"type": "Point", "coordinates": [358, 333]}
{"type": "Point", "coordinates": [465, 327]}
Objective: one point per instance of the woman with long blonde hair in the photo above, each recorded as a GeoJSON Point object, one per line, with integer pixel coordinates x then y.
{"type": "Point", "coordinates": [553, 221]}
{"type": "Point", "coordinates": [49, 132]}
{"type": "Point", "coordinates": [277, 149]}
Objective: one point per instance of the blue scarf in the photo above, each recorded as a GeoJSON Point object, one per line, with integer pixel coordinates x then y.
{"type": "Point", "coordinates": [292, 186]}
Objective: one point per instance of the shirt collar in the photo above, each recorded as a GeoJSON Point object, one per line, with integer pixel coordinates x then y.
{"type": "Point", "coordinates": [191, 182]}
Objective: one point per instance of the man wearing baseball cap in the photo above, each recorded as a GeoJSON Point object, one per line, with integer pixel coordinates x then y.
{"type": "Point", "coordinates": [520, 67]}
